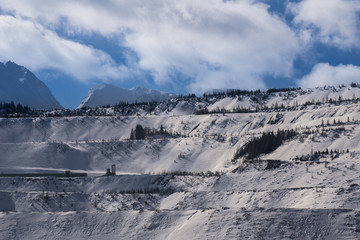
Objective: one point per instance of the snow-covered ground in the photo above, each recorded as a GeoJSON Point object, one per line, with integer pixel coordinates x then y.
{"type": "Point", "coordinates": [294, 201]}
{"type": "Point", "coordinates": [275, 196]}
{"type": "Point", "coordinates": [210, 141]}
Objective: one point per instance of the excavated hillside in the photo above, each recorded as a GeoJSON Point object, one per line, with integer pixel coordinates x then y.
{"type": "Point", "coordinates": [244, 167]}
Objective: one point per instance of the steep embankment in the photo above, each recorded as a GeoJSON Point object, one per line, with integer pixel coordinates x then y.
{"type": "Point", "coordinates": [307, 187]}
{"type": "Point", "coordinates": [294, 201]}
{"type": "Point", "coordinates": [208, 142]}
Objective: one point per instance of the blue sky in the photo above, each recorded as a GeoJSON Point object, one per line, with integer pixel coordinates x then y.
{"type": "Point", "coordinates": [182, 46]}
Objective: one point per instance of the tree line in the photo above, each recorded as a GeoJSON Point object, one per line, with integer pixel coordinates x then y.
{"type": "Point", "coordinates": [141, 133]}
{"type": "Point", "coordinates": [266, 143]}
{"type": "Point", "coordinates": [12, 108]}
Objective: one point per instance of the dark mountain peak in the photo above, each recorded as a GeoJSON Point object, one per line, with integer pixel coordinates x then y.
{"type": "Point", "coordinates": [20, 85]}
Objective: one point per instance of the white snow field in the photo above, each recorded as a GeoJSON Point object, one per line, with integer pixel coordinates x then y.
{"type": "Point", "coordinates": [189, 187]}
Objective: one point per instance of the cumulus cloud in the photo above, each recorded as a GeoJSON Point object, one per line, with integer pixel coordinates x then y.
{"type": "Point", "coordinates": [333, 22]}
{"type": "Point", "coordinates": [215, 43]}
{"type": "Point", "coordinates": [35, 47]}
{"type": "Point", "coordinates": [324, 74]}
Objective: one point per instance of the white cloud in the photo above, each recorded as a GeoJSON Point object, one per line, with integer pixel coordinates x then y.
{"type": "Point", "coordinates": [333, 22]}
{"type": "Point", "coordinates": [324, 74]}
{"type": "Point", "coordinates": [217, 44]}
{"type": "Point", "coordinates": [31, 45]}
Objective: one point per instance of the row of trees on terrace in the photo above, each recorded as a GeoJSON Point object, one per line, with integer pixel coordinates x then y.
{"type": "Point", "coordinates": [11, 108]}
{"type": "Point", "coordinates": [266, 143]}
{"type": "Point", "coordinates": [141, 133]}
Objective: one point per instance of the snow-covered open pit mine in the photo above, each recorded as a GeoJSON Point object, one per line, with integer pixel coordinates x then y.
{"type": "Point", "coordinates": [204, 179]}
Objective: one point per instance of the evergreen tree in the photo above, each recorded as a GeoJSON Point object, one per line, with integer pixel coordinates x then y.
{"type": "Point", "coordinates": [132, 135]}
{"type": "Point", "coordinates": [139, 132]}
{"type": "Point", "coordinates": [161, 130]}
{"type": "Point", "coordinates": [267, 143]}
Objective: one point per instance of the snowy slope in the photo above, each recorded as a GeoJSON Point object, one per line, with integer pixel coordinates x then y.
{"type": "Point", "coordinates": [106, 94]}
{"type": "Point", "coordinates": [209, 141]}
{"type": "Point", "coordinates": [274, 196]}
{"type": "Point", "coordinates": [288, 99]}
{"type": "Point", "coordinates": [290, 202]}
{"type": "Point", "coordinates": [19, 85]}
{"type": "Point", "coordinates": [93, 143]}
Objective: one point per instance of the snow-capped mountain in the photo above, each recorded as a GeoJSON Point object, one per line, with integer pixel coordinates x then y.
{"type": "Point", "coordinates": [19, 85]}
{"type": "Point", "coordinates": [106, 94]}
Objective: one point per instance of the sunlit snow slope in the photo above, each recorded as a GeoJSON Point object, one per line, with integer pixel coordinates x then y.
{"type": "Point", "coordinates": [192, 185]}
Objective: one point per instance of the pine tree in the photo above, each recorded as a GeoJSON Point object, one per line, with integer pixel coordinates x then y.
{"type": "Point", "coordinates": [161, 130]}
{"type": "Point", "coordinates": [132, 135]}
{"type": "Point", "coordinates": [139, 132]}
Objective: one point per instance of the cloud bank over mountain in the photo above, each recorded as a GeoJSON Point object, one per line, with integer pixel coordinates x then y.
{"type": "Point", "coordinates": [32, 45]}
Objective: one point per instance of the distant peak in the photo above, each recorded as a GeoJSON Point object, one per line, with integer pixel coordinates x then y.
{"type": "Point", "coordinates": [100, 86]}
{"type": "Point", "coordinates": [13, 65]}
{"type": "Point", "coordinates": [138, 88]}
{"type": "Point", "coordinates": [20, 85]}
{"type": "Point", "coordinates": [10, 63]}
{"type": "Point", "coordinates": [106, 94]}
